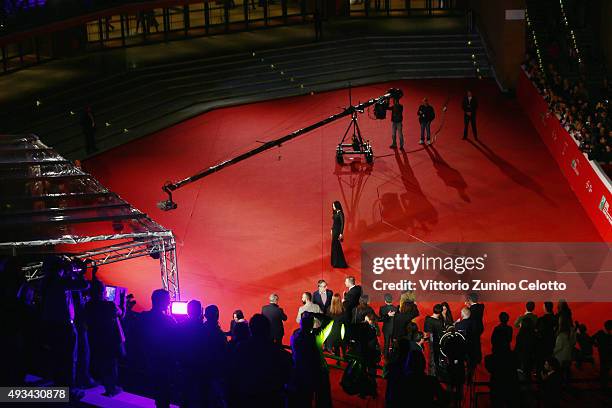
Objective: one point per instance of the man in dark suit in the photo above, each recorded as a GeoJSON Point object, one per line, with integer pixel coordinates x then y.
{"type": "Point", "coordinates": [386, 313]}
{"type": "Point", "coordinates": [323, 296]}
{"type": "Point", "coordinates": [426, 115]}
{"type": "Point", "coordinates": [476, 316]}
{"type": "Point", "coordinates": [351, 300]}
{"type": "Point", "coordinates": [470, 106]}
{"type": "Point", "coordinates": [276, 316]}
{"type": "Point", "coordinates": [351, 295]}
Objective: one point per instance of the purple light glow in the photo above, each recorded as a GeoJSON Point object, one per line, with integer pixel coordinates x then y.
{"type": "Point", "coordinates": [178, 308]}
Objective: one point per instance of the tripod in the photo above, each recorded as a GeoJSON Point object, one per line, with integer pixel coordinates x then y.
{"type": "Point", "coordinates": [358, 145]}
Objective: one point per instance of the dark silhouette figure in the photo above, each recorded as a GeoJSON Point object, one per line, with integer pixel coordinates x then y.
{"type": "Point", "coordinates": [477, 316]}
{"type": "Point", "coordinates": [434, 326]}
{"type": "Point", "coordinates": [502, 333]}
{"type": "Point", "coordinates": [350, 302]}
{"type": "Point", "coordinates": [525, 348]}
{"type": "Point", "coordinates": [368, 349]}
{"type": "Point", "coordinates": [552, 382]}
{"type": "Point", "coordinates": [386, 314]}
{"type": "Point", "coordinates": [158, 330]}
{"type": "Point", "coordinates": [402, 321]}
{"type": "Point", "coordinates": [470, 107]}
{"type": "Point", "coordinates": [502, 364]}
{"type": "Point", "coordinates": [362, 310]}
{"type": "Point", "coordinates": [88, 125]}
{"type": "Point", "coordinates": [106, 338]}
{"type": "Point", "coordinates": [237, 317]}
{"type": "Point", "coordinates": [407, 381]}
{"type": "Point", "coordinates": [215, 358]}
{"type": "Point", "coordinates": [318, 24]}
{"type": "Point", "coordinates": [276, 315]}
{"type": "Point", "coordinates": [603, 341]}
{"type": "Point", "coordinates": [259, 369]}
{"type": "Point", "coordinates": [194, 358]}
{"type": "Point", "coordinates": [546, 327]}
{"type": "Point", "coordinates": [58, 317]}
{"type": "Point", "coordinates": [337, 235]}
{"type": "Point", "coordinates": [311, 376]}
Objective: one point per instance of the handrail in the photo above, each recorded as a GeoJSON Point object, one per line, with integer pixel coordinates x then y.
{"type": "Point", "coordinates": [129, 8]}
{"type": "Point", "coordinates": [76, 21]}
{"type": "Point", "coordinates": [491, 55]}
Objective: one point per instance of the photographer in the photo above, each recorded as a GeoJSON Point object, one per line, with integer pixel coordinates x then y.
{"type": "Point", "coordinates": [426, 115]}
{"type": "Point", "coordinates": [58, 314]}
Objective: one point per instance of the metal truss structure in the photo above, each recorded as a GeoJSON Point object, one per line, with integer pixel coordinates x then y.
{"type": "Point", "coordinates": [49, 205]}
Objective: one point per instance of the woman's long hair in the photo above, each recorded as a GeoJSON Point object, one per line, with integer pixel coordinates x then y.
{"type": "Point", "coordinates": [409, 308]}
{"type": "Point", "coordinates": [338, 207]}
{"type": "Point", "coordinates": [448, 319]}
{"type": "Point", "coordinates": [336, 308]}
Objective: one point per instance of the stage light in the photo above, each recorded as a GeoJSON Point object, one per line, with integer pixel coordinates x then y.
{"type": "Point", "coordinates": [178, 308]}
{"type": "Point", "coordinates": [71, 113]}
{"type": "Point", "coordinates": [107, 124]}
{"type": "Point", "coordinates": [253, 53]}
{"type": "Point", "coordinates": [38, 103]}
{"type": "Point", "coordinates": [125, 130]}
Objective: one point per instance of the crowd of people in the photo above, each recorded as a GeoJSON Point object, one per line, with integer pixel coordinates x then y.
{"type": "Point", "coordinates": [572, 103]}
{"type": "Point", "coordinates": [192, 361]}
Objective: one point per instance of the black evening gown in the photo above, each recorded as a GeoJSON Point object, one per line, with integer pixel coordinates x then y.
{"type": "Point", "coordinates": [337, 255]}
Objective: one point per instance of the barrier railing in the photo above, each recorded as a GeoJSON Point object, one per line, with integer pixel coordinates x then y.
{"type": "Point", "coordinates": [586, 177]}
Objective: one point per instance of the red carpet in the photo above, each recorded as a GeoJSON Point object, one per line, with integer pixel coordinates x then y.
{"type": "Point", "coordinates": [262, 226]}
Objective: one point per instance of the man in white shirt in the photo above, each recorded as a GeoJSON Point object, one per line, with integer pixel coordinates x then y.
{"type": "Point", "coordinates": [308, 306]}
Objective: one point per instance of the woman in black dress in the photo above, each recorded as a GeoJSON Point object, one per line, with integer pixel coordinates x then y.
{"type": "Point", "coordinates": [337, 255]}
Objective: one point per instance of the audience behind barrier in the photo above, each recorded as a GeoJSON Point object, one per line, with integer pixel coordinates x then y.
{"type": "Point", "coordinates": [584, 116]}
{"type": "Point", "coordinates": [193, 363]}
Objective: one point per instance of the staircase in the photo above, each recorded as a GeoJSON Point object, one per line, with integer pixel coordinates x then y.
{"type": "Point", "coordinates": [136, 103]}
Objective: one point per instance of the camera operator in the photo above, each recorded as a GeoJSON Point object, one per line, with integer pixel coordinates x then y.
{"type": "Point", "coordinates": [58, 315]}
{"type": "Point", "coordinates": [397, 117]}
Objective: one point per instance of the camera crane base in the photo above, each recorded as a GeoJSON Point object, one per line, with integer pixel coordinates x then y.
{"type": "Point", "coordinates": [358, 145]}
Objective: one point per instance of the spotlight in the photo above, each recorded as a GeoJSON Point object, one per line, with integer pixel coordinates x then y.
{"type": "Point", "coordinates": [178, 308]}
{"type": "Point", "coordinates": [107, 124]}
{"type": "Point", "coordinates": [38, 103]}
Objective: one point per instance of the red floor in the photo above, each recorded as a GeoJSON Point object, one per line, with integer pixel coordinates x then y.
{"type": "Point", "coordinates": [262, 226]}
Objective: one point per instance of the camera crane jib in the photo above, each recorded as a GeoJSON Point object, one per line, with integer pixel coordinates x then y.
{"type": "Point", "coordinates": [351, 110]}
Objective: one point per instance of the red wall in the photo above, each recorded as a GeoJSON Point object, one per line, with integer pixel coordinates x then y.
{"type": "Point", "coordinates": [593, 189]}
